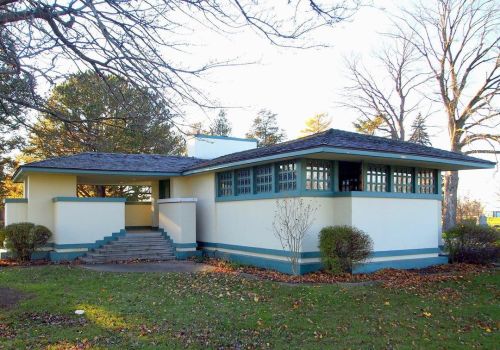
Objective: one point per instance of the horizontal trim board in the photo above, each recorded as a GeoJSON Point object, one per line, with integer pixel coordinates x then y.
{"type": "Point", "coordinates": [353, 194]}
{"type": "Point", "coordinates": [231, 138]}
{"type": "Point", "coordinates": [185, 245]}
{"type": "Point", "coordinates": [400, 264]}
{"type": "Point", "coordinates": [345, 151]}
{"type": "Point", "coordinates": [137, 203]}
{"type": "Point", "coordinates": [15, 200]}
{"type": "Point", "coordinates": [89, 199]}
{"type": "Point", "coordinates": [309, 255]}
{"type": "Point", "coordinates": [27, 169]}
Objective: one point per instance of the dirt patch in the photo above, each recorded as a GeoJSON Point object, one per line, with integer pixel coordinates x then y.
{"type": "Point", "coordinates": [55, 319]}
{"type": "Point", "coordinates": [10, 297]}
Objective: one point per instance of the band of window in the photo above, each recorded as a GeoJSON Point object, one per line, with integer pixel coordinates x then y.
{"type": "Point", "coordinates": [376, 178]}
{"type": "Point", "coordinates": [318, 175]}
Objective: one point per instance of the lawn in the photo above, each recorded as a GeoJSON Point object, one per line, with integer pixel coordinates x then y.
{"type": "Point", "coordinates": [216, 310]}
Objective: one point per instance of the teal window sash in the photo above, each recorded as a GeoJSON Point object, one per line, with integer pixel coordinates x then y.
{"type": "Point", "coordinates": [321, 175]}
{"type": "Point", "coordinates": [376, 177]}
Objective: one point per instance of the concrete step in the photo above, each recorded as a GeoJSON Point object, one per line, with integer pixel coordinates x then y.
{"type": "Point", "coordinates": [92, 260]}
{"type": "Point", "coordinates": [125, 256]}
{"type": "Point", "coordinates": [154, 250]}
{"type": "Point", "coordinates": [140, 240]}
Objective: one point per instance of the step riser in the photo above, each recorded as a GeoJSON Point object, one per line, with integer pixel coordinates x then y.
{"type": "Point", "coordinates": [137, 246]}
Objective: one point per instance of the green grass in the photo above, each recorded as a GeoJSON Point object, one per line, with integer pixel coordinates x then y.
{"type": "Point", "coordinates": [167, 310]}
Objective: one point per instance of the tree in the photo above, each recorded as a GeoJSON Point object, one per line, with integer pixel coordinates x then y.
{"type": "Point", "coordinates": [265, 129]}
{"type": "Point", "coordinates": [318, 123]}
{"type": "Point", "coordinates": [138, 40]}
{"type": "Point", "coordinates": [220, 126]}
{"type": "Point", "coordinates": [469, 210]}
{"type": "Point", "coordinates": [293, 219]}
{"type": "Point", "coordinates": [458, 42]}
{"type": "Point", "coordinates": [96, 121]}
{"type": "Point", "coordinates": [419, 132]}
{"type": "Point", "coordinates": [388, 99]}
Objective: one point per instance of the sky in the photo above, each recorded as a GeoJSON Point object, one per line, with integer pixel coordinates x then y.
{"type": "Point", "coordinates": [298, 83]}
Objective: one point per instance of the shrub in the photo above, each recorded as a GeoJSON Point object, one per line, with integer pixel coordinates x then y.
{"type": "Point", "coordinates": [343, 246]}
{"type": "Point", "coordinates": [2, 237]}
{"type": "Point", "coordinates": [23, 238]}
{"type": "Point", "coordinates": [471, 243]}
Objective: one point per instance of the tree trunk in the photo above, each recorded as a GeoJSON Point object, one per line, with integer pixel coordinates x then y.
{"type": "Point", "coordinates": [450, 200]}
{"type": "Point", "coordinates": [101, 191]}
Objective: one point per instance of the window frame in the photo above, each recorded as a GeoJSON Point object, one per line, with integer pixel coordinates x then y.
{"type": "Point", "coordinates": [295, 181]}
{"type": "Point", "coordinates": [249, 185]}
{"type": "Point", "coordinates": [330, 170]}
{"type": "Point", "coordinates": [410, 186]}
{"type": "Point", "coordinates": [386, 182]}
{"type": "Point", "coordinates": [433, 186]}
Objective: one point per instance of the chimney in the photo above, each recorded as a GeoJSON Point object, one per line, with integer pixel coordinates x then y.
{"type": "Point", "coordinates": [210, 147]}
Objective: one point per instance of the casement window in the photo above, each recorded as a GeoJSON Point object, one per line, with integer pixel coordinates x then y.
{"type": "Point", "coordinates": [243, 181]}
{"type": "Point", "coordinates": [426, 181]}
{"type": "Point", "coordinates": [318, 175]}
{"type": "Point", "coordinates": [225, 184]}
{"type": "Point", "coordinates": [264, 179]}
{"type": "Point", "coordinates": [376, 178]}
{"type": "Point", "coordinates": [402, 178]}
{"type": "Point", "coordinates": [287, 176]}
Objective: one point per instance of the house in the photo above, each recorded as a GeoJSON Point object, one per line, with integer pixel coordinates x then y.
{"type": "Point", "coordinates": [221, 198]}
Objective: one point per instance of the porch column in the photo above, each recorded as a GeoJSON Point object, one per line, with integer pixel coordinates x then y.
{"type": "Point", "coordinates": [155, 195]}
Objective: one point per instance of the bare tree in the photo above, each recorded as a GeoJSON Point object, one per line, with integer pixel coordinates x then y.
{"type": "Point", "coordinates": [140, 41]}
{"type": "Point", "coordinates": [459, 42]}
{"type": "Point", "coordinates": [386, 102]}
{"type": "Point", "coordinates": [292, 221]}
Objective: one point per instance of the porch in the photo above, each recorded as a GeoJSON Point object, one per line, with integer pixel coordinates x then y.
{"type": "Point", "coordinates": [82, 224]}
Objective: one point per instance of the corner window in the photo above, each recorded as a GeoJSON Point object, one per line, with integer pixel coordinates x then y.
{"type": "Point", "coordinates": [264, 179]}
{"type": "Point", "coordinates": [244, 181]}
{"type": "Point", "coordinates": [225, 184]}
{"type": "Point", "coordinates": [349, 176]}
{"type": "Point", "coordinates": [376, 178]}
{"type": "Point", "coordinates": [403, 179]}
{"type": "Point", "coordinates": [426, 182]}
{"type": "Point", "coordinates": [287, 176]}
{"type": "Point", "coordinates": [318, 175]}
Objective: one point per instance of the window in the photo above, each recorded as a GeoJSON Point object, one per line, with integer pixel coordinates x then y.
{"type": "Point", "coordinates": [376, 178]}
{"type": "Point", "coordinates": [287, 176]}
{"type": "Point", "coordinates": [426, 181]}
{"type": "Point", "coordinates": [225, 184]}
{"type": "Point", "coordinates": [318, 175]}
{"type": "Point", "coordinates": [244, 181]}
{"type": "Point", "coordinates": [403, 180]}
{"type": "Point", "coordinates": [264, 179]}
{"type": "Point", "coordinates": [349, 176]}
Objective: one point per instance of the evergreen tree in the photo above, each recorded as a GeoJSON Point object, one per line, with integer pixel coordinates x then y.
{"type": "Point", "coordinates": [266, 130]}
{"type": "Point", "coordinates": [419, 132]}
{"type": "Point", "coordinates": [318, 123]}
{"type": "Point", "coordinates": [220, 126]}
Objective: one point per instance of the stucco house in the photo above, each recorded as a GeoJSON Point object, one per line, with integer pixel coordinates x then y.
{"type": "Point", "coordinates": [221, 198]}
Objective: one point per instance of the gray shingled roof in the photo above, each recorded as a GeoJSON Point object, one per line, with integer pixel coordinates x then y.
{"type": "Point", "coordinates": [345, 140]}
{"type": "Point", "coordinates": [150, 163]}
{"type": "Point", "coordinates": [153, 163]}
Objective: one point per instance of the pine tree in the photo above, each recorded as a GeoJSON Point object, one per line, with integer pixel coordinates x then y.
{"type": "Point", "coordinates": [266, 130]}
{"type": "Point", "coordinates": [220, 125]}
{"type": "Point", "coordinates": [419, 132]}
{"type": "Point", "coordinates": [318, 123]}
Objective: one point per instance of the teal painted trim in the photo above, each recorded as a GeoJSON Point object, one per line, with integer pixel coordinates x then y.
{"type": "Point", "coordinates": [15, 200]}
{"type": "Point", "coordinates": [387, 195]}
{"type": "Point", "coordinates": [439, 183]}
{"type": "Point", "coordinates": [66, 256]}
{"type": "Point", "coordinates": [27, 169]}
{"type": "Point", "coordinates": [357, 194]}
{"type": "Point", "coordinates": [89, 199]}
{"type": "Point", "coordinates": [400, 264]}
{"type": "Point", "coordinates": [372, 154]}
{"type": "Point", "coordinates": [137, 203]}
{"type": "Point", "coordinates": [309, 255]}
{"type": "Point", "coordinates": [185, 245]}
{"type": "Point", "coordinates": [187, 255]}
{"type": "Point", "coordinates": [95, 245]}
{"type": "Point", "coordinates": [40, 255]}
{"type": "Point", "coordinates": [217, 137]}
{"type": "Point", "coordinates": [75, 246]}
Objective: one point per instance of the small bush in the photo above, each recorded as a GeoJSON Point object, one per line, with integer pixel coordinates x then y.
{"type": "Point", "coordinates": [23, 238]}
{"type": "Point", "coordinates": [343, 246]}
{"type": "Point", "coordinates": [471, 243]}
{"type": "Point", "coordinates": [2, 237]}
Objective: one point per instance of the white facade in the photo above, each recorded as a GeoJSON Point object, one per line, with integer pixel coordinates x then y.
{"type": "Point", "coordinates": [209, 147]}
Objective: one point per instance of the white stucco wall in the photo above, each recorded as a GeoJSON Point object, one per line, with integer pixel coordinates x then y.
{"type": "Point", "coordinates": [178, 218]}
{"type": "Point", "coordinates": [41, 189]}
{"type": "Point", "coordinates": [15, 212]}
{"type": "Point", "coordinates": [396, 224]}
{"type": "Point", "coordinates": [139, 214]}
{"type": "Point", "coordinates": [209, 147]}
{"type": "Point", "coordinates": [86, 222]}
